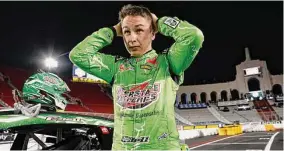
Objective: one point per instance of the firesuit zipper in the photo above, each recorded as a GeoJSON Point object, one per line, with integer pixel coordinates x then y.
{"type": "Point", "coordinates": [133, 131]}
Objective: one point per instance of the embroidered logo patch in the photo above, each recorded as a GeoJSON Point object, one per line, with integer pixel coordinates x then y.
{"type": "Point", "coordinates": [172, 22]}
{"type": "Point", "coordinates": [138, 96]}
{"type": "Point", "coordinates": [122, 68]}
{"type": "Point", "coordinates": [147, 67]}
{"type": "Point", "coordinates": [129, 139]}
{"type": "Point", "coordinates": [152, 60]}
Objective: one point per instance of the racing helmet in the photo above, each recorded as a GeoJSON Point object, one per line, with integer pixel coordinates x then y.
{"type": "Point", "coordinates": [47, 89]}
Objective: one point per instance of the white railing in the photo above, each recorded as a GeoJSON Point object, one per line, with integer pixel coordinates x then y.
{"type": "Point", "coordinates": [218, 115]}
{"type": "Point", "coordinates": [183, 120]}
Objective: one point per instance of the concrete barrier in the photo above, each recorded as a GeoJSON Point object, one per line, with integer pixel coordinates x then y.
{"type": "Point", "coordinates": [208, 131]}
{"type": "Point", "coordinates": [230, 130]}
{"type": "Point", "coordinates": [269, 127]}
{"type": "Point", "coordinates": [279, 125]}
{"type": "Point", "coordinates": [189, 132]}
{"type": "Point", "coordinates": [222, 131]}
{"type": "Point", "coordinates": [262, 126]}
{"type": "Point", "coordinates": [212, 126]}
{"type": "Point", "coordinates": [200, 126]}
{"type": "Point", "coordinates": [188, 127]}
{"type": "Point", "coordinates": [193, 133]}
{"type": "Point", "coordinates": [253, 127]}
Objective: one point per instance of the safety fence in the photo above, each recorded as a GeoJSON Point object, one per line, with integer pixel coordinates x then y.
{"type": "Point", "coordinates": [189, 132]}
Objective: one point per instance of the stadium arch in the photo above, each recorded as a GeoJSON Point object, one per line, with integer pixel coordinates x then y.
{"type": "Point", "coordinates": [193, 98]}
{"type": "Point", "coordinates": [277, 89]}
{"type": "Point", "coordinates": [224, 96]}
{"type": "Point", "coordinates": [184, 98]}
{"type": "Point", "coordinates": [213, 96]}
{"type": "Point", "coordinates": [235, 94]}
{"type": "Point", "coordinates": [253, 84]}
{"type": "Point", "coordinates": [203, 97]}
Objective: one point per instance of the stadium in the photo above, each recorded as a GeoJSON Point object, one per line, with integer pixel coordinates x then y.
{"type": "Point", "coordinates": [43, 109]}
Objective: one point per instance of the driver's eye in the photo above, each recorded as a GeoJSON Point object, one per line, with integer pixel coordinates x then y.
{"type": "Point", "coordinates": [139, 30]}
{"type": "Point", "coordinates": [126, 32]}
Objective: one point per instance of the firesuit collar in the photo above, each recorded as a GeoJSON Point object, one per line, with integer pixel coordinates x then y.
{"type": "Point", "coordinates": [148, 54]}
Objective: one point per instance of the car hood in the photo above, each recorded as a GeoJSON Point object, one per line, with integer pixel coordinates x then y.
{"type": "Point", "coordinates": [8, 119]}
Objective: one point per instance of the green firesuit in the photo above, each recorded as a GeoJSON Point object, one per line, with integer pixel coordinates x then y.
{"type": "Point", "coordinates": [144, 88]}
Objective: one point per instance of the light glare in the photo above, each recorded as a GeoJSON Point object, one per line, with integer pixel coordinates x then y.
{"type": "Point", "coordinates": [51, 63]}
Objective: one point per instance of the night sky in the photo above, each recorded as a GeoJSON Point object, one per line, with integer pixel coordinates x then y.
{"type": "Point", "coordinates": [32, 30]}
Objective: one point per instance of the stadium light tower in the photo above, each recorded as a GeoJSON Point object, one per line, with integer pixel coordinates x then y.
{"type": "Point", "coordinates": [50, 63]}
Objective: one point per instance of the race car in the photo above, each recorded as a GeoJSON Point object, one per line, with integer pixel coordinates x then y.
{"type": "Point", "coordinates": [55, 131]}
{"type": "Point", "coordinates": [38, 120]}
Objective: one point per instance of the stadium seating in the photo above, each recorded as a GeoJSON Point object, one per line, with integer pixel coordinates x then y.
{"type": "Point", "coordinates": [242, 116]}
{"type": "Point", "coordinates": [6, 93]}
{"type": "Point", "coordinates": [197, 116]}
{"type": "Point", "coordinates": [192, 106]}
{"type": "Point", "coordinates": [91, 96]}
{"type": "Point", "coordinates": [279, 111]}
{"type": "Point", "coordinates": [251, 115]}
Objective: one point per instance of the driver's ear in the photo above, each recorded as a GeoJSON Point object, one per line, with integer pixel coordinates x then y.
{"type": "Point", "coordinates": [153, 36]}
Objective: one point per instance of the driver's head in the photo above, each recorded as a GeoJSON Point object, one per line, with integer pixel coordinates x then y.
{"type": "Point", "coordinates": [138, 29]}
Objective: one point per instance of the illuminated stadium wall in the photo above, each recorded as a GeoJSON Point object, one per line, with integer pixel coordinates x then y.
{"type": "Point", "coordinates": [250, 72]}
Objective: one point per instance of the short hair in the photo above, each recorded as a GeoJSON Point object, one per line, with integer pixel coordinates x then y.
{"type": "Point", "coordinates": [134, 10]}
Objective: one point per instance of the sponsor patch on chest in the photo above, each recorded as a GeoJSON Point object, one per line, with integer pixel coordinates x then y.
{"type": "Point", "coordinates": [123, 68]}
{"type": "Point", "coordinates": [146, 67]}
{"type": "Point", "coordinates": [138, 96]}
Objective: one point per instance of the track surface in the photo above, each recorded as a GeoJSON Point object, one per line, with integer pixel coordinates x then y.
{"type": "Point", "coordinates": [246, 141]}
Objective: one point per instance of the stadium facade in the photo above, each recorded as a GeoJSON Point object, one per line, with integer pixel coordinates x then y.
{"type": "Point", "coordinates": [251, 75]}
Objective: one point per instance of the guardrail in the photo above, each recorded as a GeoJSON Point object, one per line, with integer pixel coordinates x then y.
{"type": "Point", "coordinates": [216, 114]}
{"type": "Point", "coordinates": [189, 132]}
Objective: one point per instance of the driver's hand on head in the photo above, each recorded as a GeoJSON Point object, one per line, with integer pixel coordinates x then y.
{"type": "Point", "coordinates": [155, 18]}
{"type": "Point", "coordinates": [118, 29]}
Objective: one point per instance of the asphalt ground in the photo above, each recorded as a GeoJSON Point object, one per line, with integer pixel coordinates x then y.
{"type": "Point", "coordinates": [246, 141]}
